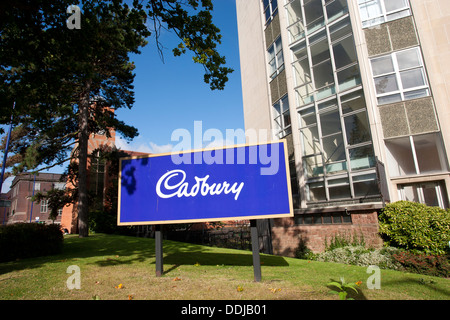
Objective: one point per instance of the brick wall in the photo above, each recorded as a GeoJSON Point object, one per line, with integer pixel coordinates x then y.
{"type": "Point", "coordinates": [286, 236]}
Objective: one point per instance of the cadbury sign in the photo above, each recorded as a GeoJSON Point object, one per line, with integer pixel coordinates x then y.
{"type": "Point", "coordinates": [231, 183]}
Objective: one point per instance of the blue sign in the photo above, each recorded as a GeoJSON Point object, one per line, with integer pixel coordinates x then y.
{"type": "Point", "coordinates": [231, 183]}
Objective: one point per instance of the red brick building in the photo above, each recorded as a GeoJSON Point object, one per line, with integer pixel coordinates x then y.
{"type": "Point", "coordinates": [22, 208]}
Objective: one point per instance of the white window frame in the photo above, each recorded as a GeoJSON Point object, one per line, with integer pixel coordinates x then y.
{"type": "Point", "coordinates": [44, 206]}
{"type": "Point", "coordinates": [420, 194]}
{"type": "Point", "coordinates": [385, 15]}
{"type": "Point", "coordinates": [275, 56]}
{"type": "Point", "coordinates": [397, 72]}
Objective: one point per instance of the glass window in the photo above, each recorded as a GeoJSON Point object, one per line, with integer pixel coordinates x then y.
{"type": "Point", "coordinates": [429, 193]}
{"type": "Point", "coordinates": [339, 189]}
{"type": "Point", "coordinates": [44, 206]}
{"type": "Point", "coordinates": [357, 128]}
{"type": "Point", "coordinates": [311, 142]}
{"type": "Point", "coordinates": [336, 9]}
{"type": "Point", "coordinates": [270, 9]}
{"type": "Point", "coordinates": [382, 65]}
{"type": "Point", "coordinates": [313, 14]}
{"type": "Point", "coordinates": [365, 185]}
{"type": "Point", "coordinates": [362, 158]}
{"type": "Point", "coordinates": [344, 52]}
{"type": "Point", "coordinates": [333, 148]}
{"type": "Point", "coordinates": [400, 157]}
{"type": "Point", "coordinates": [353, 101]}
{"type": "Point", "coordinates": [282, 118]}
{"type": "Point", "coordinates": [276, 58]}
{"type": "Point", "coordinates": [315, 191]}
{"type": "Point", "coordinates": [330, 122]}
{"type": "Point", "coordinates": [374, 12]}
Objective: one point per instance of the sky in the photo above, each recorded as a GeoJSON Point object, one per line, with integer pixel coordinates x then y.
{"type": "Point", "coordinates": [172, 95]}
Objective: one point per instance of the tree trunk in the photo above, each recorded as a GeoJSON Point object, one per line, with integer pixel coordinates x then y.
{"type": "Point", "coordinates": [83, 136]}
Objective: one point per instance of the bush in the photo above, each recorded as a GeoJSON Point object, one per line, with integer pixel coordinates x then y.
{"type": "Point", "coordinates": [27, 240]}
{"type": "Point", "coordinates": [438, 266]}
{"type": "Point", "coordinates": [360, 256]}
{"type": "Point", "coordinates": [416, 227]}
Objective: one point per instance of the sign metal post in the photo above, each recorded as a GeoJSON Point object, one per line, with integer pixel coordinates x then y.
{"type": "Point", "coordinates": [255, 251]}
{"type": "Point", "coordinates": [158, 251]}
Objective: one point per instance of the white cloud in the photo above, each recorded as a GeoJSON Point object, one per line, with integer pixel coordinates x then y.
{"type": "Point", "coordinates": [139, 146]}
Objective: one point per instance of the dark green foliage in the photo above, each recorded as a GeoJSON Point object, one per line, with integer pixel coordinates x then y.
{"type": "Point", "coordinates": [416, 227]}
{"type": "Point", "coordinates": [28, 240]}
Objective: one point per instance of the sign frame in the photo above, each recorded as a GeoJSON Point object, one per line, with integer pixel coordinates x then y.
{"type": "Point", "coordinates": [289, 214]}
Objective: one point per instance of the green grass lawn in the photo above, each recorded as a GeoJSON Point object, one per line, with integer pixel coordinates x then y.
{"type": "Point", "coordinates": [119, 267]}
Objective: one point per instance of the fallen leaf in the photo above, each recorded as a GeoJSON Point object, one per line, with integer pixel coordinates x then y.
{"type": "Point", "coordinates": [176, 279]}
{"type": "Point", "coordinates": [240, 289]}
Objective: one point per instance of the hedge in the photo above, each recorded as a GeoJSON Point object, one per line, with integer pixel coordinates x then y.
{"type": "Point", "coordinates": [27, 240]}
{"type": "Point", "coordinates": [416, 227]}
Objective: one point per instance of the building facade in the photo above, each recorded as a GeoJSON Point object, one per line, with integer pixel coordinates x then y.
{"type": "Point", "coordinates": [359, 90]}
{"type": "Point", "coordinates": [23, 187]}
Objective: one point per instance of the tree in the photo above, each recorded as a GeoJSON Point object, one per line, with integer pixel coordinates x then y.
{"type": "Point", "coordinates": [67, 82]}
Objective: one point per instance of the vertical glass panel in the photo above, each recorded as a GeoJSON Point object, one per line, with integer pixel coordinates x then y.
{"type": "Point", "coordinates": [382, 65]}
{"type": "Point", "coordinates": [344, 52]}
{"type": "Point", "coordinates": [317, 218]}
{"type": "Point", "coordinates": [302, 72]}
{"type": "Point", "coordinates": [337, 167]}
{"type": "Point", "coordinates": [365, 185]}
{"type": "Point", "coordinates": [400, 157]}
{"type": "Point", "coordinates": [313, 14]}
{"type": "Point", "coordinates": [331, 122]}
{"type": "Point", "coordinates": [353, 101]}
{"type": "Point", "coordinates": [349, 78]}
{"type": "Point", "coordinates": [386, 84]}
{"type": "Point", "coordinates": [315, 191]}
{"type": "Point", "coordinates": [294, 11]}
{"type": "Point", "coordinates": [311, 143]}
{"type": "Point", "coordinates": [428, 151]}
{"type": "Point", "coordinates": [410, 193]}
{"type": "Point", "coordinates": [313, 166]}
{"type": "Point", "coordinates": [357, 128]}
{"type": "Point", "coordinates": [320, 50]}
{"type": "Point", "coordinates": [430, 195]}
{"type": "Point", "coordinates": [340, 29]}
{"type": "Point", "coordinates": [277, 109]}
{"type": "Point", "coordinates": [333, 148]}
{"type": "Point", "coordinates": [323, 74]}
{"type": "Point", "coordinates": [307, 117]}
{"type": "Point", "coordinates": [337, 217]}
{"type": "Point", "coordinates": [336, 9]}
{"type": "Point", "coordinates": [362, 158]}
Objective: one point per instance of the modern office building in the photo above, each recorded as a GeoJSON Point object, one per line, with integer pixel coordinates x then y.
{"type": "Point", "coordinates": [359, 89]}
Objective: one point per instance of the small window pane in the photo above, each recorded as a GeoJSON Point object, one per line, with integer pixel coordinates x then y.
{"type": "Point", "coordinates": [416, 94]}
{"type": "Point", "coordinates": [313, 166]}
{"type": "Point", "coordinates": [357, 128]}
{"type": "Point", "coordinates": [365, 185]}
{"type": "Point", "coordinates": [386, 84]}
{"type": "Point", "coordinates": [382, 65]}
{"type": "Point", "coordinates": [412, 78]}
{"type": "Point", "coordinates": [331, 122]}
{"type": "Point", "coordinates": [392, 5]}
{"type": "Point", "coordinates": [353, 101]}
{"type": "Point", "coordinates": [340, 29]}
{"type": "Point", "coordinates": [326, 217]}
{"type": "Point", "coordinates": [362, 158]}
{"type": "Point", "coordinates": [389, 99]}
{"type": "Point", "coordinates": [315, 191]}
{"type": "Point", "coordinates": [336, 9]}
{"type": "Point", "coordinates": [310, 138]}
{"type": "Point", "coordinates": [333, 148]}
{"type": "Point", "coordinates": [344, 52]}
{"type": "Point", "coordinates": [307, 117]}
{"type": "Point", "coordinates": [339, 191]}
{"type": "Point", "coordinates": [408, 59]}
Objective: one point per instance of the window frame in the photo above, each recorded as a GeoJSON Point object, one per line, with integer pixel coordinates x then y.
{"type": "Point", "coordinates": [397, 74]}
{"type": "Point", "coordinates": [284, 129]}
{"type": "Point", "coordinates": [43, 206]}
{"type": "Point", "coordinates": [270, 9]}
{"type": "Point", "coordinates": [275, 54]}
{"type": "Point", "coordinates": [384, 16]}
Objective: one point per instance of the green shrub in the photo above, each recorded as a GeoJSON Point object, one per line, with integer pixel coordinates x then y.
{"type": "Point", "coordinates": [416, 227]}
{"type": "Point", "coordinates": [27, 240]}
